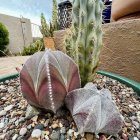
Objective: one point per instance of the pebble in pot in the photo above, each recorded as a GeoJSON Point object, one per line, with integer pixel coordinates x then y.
{"type": "Point", "coordinates": [63, 130]}
{"type": "Point", "coordinates": [55, 135]}
{"type": "Point", "coordinates": [2, 125]}
{"type": "Point", "coordinates": [36, 133]}
{"type": "Point", "coordinates": [15, 137]}
{"type": "Point", "coordinates": [62, 137]}
{"type": "Point", "coordinates": [2, 113]}
{"type": "Point", "coordinates": [39, 126]}
{"type": "Point", "coordinates": [23, 131]}
{"type": "Point", "coordinates": [8, 108]}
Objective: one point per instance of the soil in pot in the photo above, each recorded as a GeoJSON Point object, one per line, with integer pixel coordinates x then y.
{"type": "Point", "coordinates": [13, 123]}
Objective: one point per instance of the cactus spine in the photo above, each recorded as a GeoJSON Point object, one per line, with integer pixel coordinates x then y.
{"type": "Point", "coordinates": [86, 37]}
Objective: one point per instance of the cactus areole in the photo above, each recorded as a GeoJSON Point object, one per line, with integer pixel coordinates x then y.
{"type": "Point", "coordinates": [47, 77]}
{"type": "Point", "coordinates": [85, 42]}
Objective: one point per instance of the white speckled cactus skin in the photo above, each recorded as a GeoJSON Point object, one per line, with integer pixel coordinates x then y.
{"type": "Point", "coordinates": [46, 78]}
{"type": "Point", "coordinates": [86, 37]}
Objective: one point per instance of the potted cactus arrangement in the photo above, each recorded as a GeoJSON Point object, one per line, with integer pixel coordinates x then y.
{"type": "Point", "coordinates": [52, 79]}
{"type": "Point", "coordinates": [58, 96]}
{"type": "Point", "coordinates": [48, 29]}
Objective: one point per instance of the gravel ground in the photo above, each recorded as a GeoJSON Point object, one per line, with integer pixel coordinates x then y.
{"type": "Point", "coordinates": [15, 126]}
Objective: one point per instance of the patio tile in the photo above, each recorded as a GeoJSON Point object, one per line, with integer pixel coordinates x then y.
{"type": "Point", "coordinates": [8, 64]}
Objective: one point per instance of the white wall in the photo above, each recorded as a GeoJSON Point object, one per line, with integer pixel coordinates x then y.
{"type": "Point", "coordinates": [20, 34]}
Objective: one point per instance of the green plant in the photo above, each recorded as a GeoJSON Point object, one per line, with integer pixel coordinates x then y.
{"type": "Point", "coordinates": [55, 15]}
{"type": "Point", "coordinates": [4, 40]}
{"type": "Point", "coordinates": [47, 29]}
{"type": "Point", "coordinates": [44, 28]}
{"type": "Point", "coordinates": [33, 48]}
{"type": "Point", "coordinates": [85, 39]}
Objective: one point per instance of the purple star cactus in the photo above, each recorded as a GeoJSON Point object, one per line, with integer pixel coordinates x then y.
{"type": "Point", "coordinates": [94, 111]}
{"type": "Point", "coordinates": [47, 77]}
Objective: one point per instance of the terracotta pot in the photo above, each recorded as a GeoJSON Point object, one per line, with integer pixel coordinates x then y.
{"type": "Point", "coordinates": [122, 8]}
{"type": "Point", "coordinates": [49, 43]}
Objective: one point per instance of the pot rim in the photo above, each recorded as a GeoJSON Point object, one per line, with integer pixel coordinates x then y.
{"type": "Point", "coordinates": [128, 82]}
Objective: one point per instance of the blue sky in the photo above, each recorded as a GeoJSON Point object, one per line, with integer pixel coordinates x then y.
{"type": "Point", "coordinates": [27, 8]}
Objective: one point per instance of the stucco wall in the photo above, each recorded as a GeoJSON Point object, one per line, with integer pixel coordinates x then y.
{"type": "Point", "coordinates": [121, 51]}
{"type": "Point", "coordinates": [19, 32]}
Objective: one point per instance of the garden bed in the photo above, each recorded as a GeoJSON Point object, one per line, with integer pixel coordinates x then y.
{"type": "Point", "coordinates": [14, 125]}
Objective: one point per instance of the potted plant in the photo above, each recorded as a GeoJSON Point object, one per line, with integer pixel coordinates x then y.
{"type": "Point", "coordinates": [51, 78]}
{"type": "Point", "coordinates": [60, 79]}
{"type": "Point", "coordinates": [47, 30]}
{"type": "Point", "coordinates": [122, 8]}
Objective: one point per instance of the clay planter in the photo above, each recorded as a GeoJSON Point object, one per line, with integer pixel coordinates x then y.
{"type": "Point", "coordinates": [122, 8]}
{"type": "Point", "coordinates": [49, 43]}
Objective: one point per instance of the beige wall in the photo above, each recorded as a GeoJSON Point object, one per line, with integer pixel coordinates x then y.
{"type": "Point", "coordinates": [121, 51]}
{"type": "Point", "coordinates": [19, 32]}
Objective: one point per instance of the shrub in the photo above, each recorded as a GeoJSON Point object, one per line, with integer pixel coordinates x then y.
{"type": "Point", "coordinates": [4, 40]}
{"type": "Point", "coordinates": [33, 48]}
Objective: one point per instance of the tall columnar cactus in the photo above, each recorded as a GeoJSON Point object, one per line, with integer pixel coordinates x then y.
{"type": "Point", "coordinates": [54, 14]}
{"type": "Point", "coordinates": [86, 37]}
